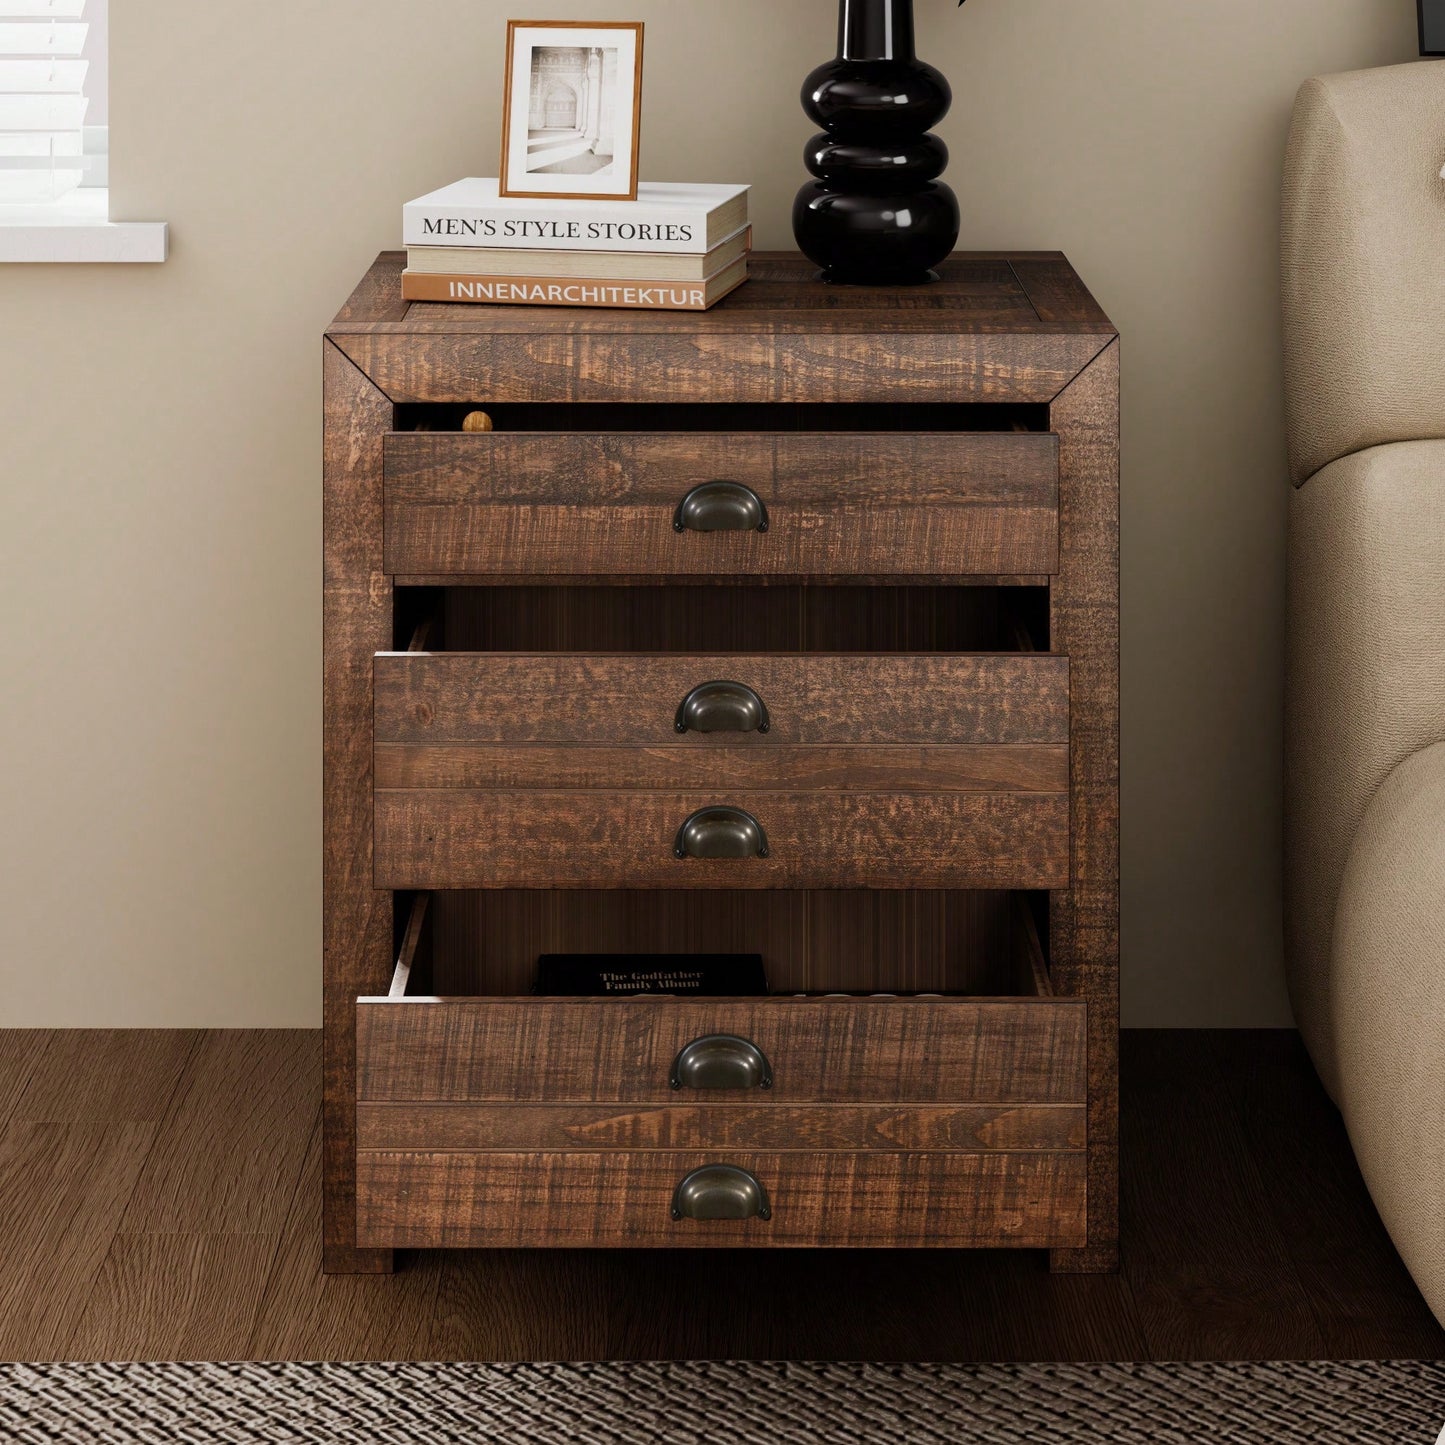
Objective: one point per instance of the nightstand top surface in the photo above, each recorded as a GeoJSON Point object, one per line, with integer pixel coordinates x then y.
{"type": "Point", "coordinates": [1010, 293]}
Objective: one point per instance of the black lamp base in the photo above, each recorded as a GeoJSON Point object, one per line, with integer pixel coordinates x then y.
{"type": "Point", "coordinates": [871, 239]}
{"type": "Point", "coordinates": [876, 214]}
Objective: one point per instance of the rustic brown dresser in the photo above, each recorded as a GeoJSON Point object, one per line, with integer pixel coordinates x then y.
{"type": "Point", "coordinates": [790, 628]}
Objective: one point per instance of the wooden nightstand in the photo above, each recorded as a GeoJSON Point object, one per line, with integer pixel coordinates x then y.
{"type": "Point", "coordinates": [888, 522]}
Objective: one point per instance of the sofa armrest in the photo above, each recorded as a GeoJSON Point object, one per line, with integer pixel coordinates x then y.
{"type": "Point", "coordinates": [1365, 681]}
{"type": "Point", "coordinates": [1389, 1010]}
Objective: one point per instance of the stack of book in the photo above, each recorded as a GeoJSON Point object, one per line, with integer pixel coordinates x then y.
{"type": "Point", "coordinates": [675, 248]}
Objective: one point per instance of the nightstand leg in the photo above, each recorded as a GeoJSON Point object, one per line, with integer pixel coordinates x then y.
{"type": "Point", "coordinates": [340, 1260]}
{"type": "Point", "coordinates": [1093, 1259]}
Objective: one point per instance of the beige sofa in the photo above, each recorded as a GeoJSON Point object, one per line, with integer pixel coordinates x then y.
{"type": "Point", "coordinates": [1364, 298]}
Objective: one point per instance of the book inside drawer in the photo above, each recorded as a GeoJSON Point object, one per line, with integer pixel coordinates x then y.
{"type": "Point", "coordinates": [494, 1121]}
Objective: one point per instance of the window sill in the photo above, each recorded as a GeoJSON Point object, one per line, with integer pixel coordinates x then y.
{"type": "Point", "coordinates": [78, 229]}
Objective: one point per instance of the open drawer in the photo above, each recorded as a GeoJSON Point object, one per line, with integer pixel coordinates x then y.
{"type": "Point", "coordinates": [503, 505]}
{"type": "Point", "coordinates": [507, 770]}
{"type": "Point", "coordinates": [817, 1121]}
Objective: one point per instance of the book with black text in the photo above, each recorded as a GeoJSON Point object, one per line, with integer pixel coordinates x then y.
{"type": "Point", "coordinates": [667, 216]}
{"type": "Point", "coordinates": [557, 264]}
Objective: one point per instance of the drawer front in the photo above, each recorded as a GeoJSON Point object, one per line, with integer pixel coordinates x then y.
{"type": "Point", "coordinates": [571, 1123]}
{"type": "Point", "coordinates": [812, 699]}
{"type": "Point", "coordinates": [421, 1200]}
{"type": "Point", "coordinates": [594, 838]}
{"type": "Point", "coordinates": [501, 771]}
{"type": "Point", "coordinates": [566, 1128]}
{"type": "Point", "coordinates": [994, 1053]}
{"type": "Point", "coordinates": [542, 504]}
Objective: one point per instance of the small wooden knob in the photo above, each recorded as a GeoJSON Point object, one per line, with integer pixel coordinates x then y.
{"type": "Point", "coordinates": [476, 421]}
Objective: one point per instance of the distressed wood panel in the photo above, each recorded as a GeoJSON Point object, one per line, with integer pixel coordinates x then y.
{"type": "Point", "coordinates": [721, 366]}
{"type": "Point", "coordinates": [843, 505]}
{"type": "Point", "coordinates": [980, 1127]}
{"type": "Point", "coordinates": [594, 838]}
{"type": "Point", "coordinates": [829, 769]}
{"type": "Point", "coordinates": [356, 624]}
{"type": "Point", "coordinates": [978, 293]}
{"type": "Point", "coordinates": [611, 1200]}
{"type": "Point", "coordinates": [1084, 922]}
{"type": "Point", "coordinates": [926, 700]}
{"type": "Point", "coordinates": [887, 1051]}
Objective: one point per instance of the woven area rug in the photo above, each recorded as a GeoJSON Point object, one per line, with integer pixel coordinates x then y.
{"type": "Point", "coordinates": [811, 1404]}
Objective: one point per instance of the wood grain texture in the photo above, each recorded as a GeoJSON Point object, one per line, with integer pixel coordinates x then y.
{"type": "Point", "coordinates": [782, 338]}
{"type": "Point", "coordinates": [1056, 293]}
{"type": "Point", "coordinates": [1018, 1128]}
{"type": "Point", "coordinates": [356, 623]}
{"type": "Point", "coordinates": [621, 1200]}
{"type": "Point", "coordinates": [978, 293]}
{"type": "Point", "coordinates": [1084, 622]}
{"type": "Point", "coordinates": [732, 620]}
{"type": "Point", "coordinates": [899, 941]}
{"type": "Point", "coordinates": [107, 1076]}
{"type": "Point", "coordinates": [1336, 1290]}
{"type": "Point", "coordinates": [313, 1313]}
{"type": "Point", "coordinates": [1000, 331]}
{"type": "Point", "coordinates": [729, 367]}
{"type": "Point", "coordinates": [63, 1192]}
{"type": "Point", "coordinates": [812, 699]}
{"type": "Point", "coordinates": [592, 838]}
{"type": "Point", "coordinates": [586, 504]}
{"type": "Point", "coordinates": [887, 1051]}
{"type": "Point", "coordinates": [1233, 1288]}
{"type": "Point", "coordinates": [21, 1051]}
{"type": "Point", "coordinates": [492, 766]}
{"type": "Point", "coordinates": [229, 1170]}
{"type": "Point", "coordinates": [377, 298]}
{"type": "Point", "coordinates": [175, 1297]}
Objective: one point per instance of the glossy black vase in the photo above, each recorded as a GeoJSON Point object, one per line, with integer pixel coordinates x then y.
{"type": "Point", "coordinates": [877, 214]}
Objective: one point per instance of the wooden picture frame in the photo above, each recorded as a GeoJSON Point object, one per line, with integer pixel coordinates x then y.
{"type": "Point", "coordinates": [581, 81]}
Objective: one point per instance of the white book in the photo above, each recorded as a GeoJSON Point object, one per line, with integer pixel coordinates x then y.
{"type": "Point", "coordinates": [667, 216]}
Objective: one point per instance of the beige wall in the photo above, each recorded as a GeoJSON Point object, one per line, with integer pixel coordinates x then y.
{"type": "Point", "coordinates": [160, 457]}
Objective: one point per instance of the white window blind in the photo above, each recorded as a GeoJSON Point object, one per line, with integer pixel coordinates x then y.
{"type": "Point", "coordinates": [43, 98]}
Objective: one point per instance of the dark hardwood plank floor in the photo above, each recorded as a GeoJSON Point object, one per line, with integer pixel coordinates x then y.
{"type": "Point", "coordinates": [162, 1199]}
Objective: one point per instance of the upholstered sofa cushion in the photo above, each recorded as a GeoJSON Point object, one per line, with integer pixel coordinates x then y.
{"type": "Point", "coordinates": [1365, 681]}
{"type": "Point", "coordinates": [1364, 263]}
{"type": "Point", "coordinates": [1389, 1011]}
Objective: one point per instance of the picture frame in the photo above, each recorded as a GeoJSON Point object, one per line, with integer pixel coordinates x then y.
{"type": "Point", "coordinates": [572, 109]}
{"type": "Point", "coordinates": [1432, 27]}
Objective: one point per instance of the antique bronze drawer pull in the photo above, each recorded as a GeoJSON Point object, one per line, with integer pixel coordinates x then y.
{"type": "Point", "coordinates": [721, 1191]}
{"type": "Point", "coordinates": [721, 1061]}
{"type": "Point", "coordinates": [721, 507]}
{"type": "Point", "coordinates": [721, 833]}
{"type": "Point", "coordinates": [722, 707]}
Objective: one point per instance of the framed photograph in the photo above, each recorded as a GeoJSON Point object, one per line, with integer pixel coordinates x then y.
{"type": "Point", "coordinates": [1432, 27]}
{"type": "Point", "coordinates": [573, 109]}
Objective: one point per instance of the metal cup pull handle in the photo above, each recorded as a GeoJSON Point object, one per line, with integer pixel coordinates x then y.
{"type": "Point", "coordinates": [721, 507]}
{"type": "Point", "coordinates": [721, 1061]}
{"type": "Point", "coordinates": [721, 1191]}
{"type": "Point", "coordinates": [721, 833]}
{"type": "Point", "coordinates": [722, 707]}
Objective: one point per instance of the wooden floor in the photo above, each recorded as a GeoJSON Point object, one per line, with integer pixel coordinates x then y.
{"type": "Point", "coordinates": [161, 1198]}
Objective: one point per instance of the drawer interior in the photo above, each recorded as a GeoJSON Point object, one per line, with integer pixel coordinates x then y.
{"type": "Point", "coordinates": [723, 618]}
{"type": "Point", "coordinates": [460, 943]}
{"type": "Point", "coordinates": [728, 417]}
